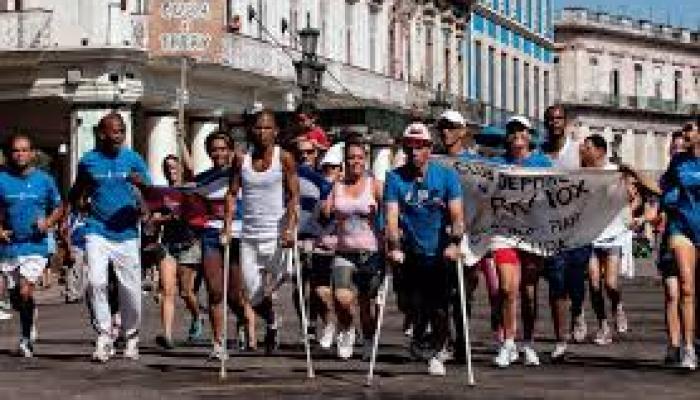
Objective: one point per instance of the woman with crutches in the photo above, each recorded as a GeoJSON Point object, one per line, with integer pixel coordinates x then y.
{"type": "Point", "coordinates": [357, 265]}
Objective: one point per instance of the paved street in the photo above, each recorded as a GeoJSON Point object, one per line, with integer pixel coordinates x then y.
{"type": "Point", "coordinates": [62, 370]}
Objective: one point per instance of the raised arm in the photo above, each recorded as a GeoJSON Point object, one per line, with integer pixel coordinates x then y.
{"type": "Point", "coordinates": [291, 185]}
{"type": "Point", "coordinates": [187, 161]}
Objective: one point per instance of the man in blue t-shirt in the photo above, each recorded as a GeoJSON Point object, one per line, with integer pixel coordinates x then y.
{"type": "Point", "coordinates": [111, 175]}
{"type": "Point", "coordinates": [424, 199]}
{"type": "Point", "coordinates": [31, 203]}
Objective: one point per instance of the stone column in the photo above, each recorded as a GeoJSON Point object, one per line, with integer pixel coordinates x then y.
{"type": "Point", "coordinates": [162, 140]}
{"type": "Point", "coordinates": [201, 128]}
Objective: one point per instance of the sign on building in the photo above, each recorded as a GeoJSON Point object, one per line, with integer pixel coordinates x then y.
{"type": "Point", "coordinates": [187, 27]}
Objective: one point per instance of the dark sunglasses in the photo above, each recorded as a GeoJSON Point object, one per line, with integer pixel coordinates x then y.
{"type": "Point", "coordinates": [416, 143]}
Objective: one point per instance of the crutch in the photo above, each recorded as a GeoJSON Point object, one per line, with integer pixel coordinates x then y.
{"type": "Point", "coordinates": [465, 319]}
{"type": "Point", "coordinates": [293, 257]}
{"type": "Point", "coordinates": [381, 301]}
{"type": "Point", "coordinates": [224, 340]}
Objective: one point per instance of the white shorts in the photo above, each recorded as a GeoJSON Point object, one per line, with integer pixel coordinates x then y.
{"type": "Point", "coordinates": [28, 267]}
{"type": "Point", "coordinates": [261, 258]}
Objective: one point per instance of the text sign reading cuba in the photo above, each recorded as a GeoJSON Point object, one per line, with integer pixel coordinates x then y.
{"type": "Point", "coordinates": [187, 27]}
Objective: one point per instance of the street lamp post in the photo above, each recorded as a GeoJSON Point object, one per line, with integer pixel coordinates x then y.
{"type": "Point", "coordinates": [438, 104]}
{"type": "Point", "coordinates": [309, 70]}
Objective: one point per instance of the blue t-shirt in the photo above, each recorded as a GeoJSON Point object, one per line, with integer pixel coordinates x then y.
{"type": "Point", "coordinates": [423, 211]}
{"type": "Point", "coordinates": [313, 188]}
{"type": "Point", "coordinates": [534, 160]}
{"type": "Point", "coordinates": [115, 212]}
{"type": "Point", "coordinates": [25, 199]}
{"type": "Point", "coordinates": [681, 194]}
{"type": "Point", "coordinates": [471, 156]}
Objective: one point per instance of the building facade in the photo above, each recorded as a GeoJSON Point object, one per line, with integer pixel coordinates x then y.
{"type": "Point", "coordinates": [66, 63]}
{"type": "Point", "coordinates": [509, 54]}
{"type": "Point", "coordinates": [631, 81]}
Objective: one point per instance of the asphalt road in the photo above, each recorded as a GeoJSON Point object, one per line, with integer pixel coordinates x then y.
{"type": "Point", "coordinates": [628, 369]}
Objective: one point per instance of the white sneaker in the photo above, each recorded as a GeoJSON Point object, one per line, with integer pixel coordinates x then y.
{"type": "Point", "coordinates": [580, 329]}
{"type": "Point", "coordinates": [690, 359]}
{"type": "Point", "coordinates": [436, 367]}
{"type": "Point", "coordinates": [218, 352]}
{"type": "Point", "coordinates": [326, 339]}
{"type": "Point", "coordinates": [345, 343]}
{"type": "Point", "coordinates": [103, 349]}
{"type": "Point", "coordinates": [4, 315]}
{"type": "Point", "coordinates": [530, 356]}
{"type": "Point", "coordinates": [604, 335]}
{"type": "Point", "coordinates": [559, 351]}
{"type": "Point", "coordinates": [26, 349]}
{"type": "Point", "coordinates": [445, 355]}
{"type": "Point", "coordinates": [507, 354]}
{"type": "Point", "coordinates": [131, 351]}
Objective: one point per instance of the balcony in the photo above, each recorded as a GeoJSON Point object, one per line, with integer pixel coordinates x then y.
{"type": "Point", "coordinates": [29, 29]}
{"type": "Point", "coordinates": [640, 103]}
{"type": "Point", "coordinates": [270, 61]}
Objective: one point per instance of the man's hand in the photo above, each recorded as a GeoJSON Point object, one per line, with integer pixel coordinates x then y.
{"type": "Point", "coordinates": [451, 253]}
{"type": "Point", "coordinates": [225, 235]}
{"type": "Point", "coordinates": [396, 256]}
{"type": "Point", "coordinates": [287, 239]}
{"type": "Point", "coordinates": [5, 235]}
{"type": "Point", "coordinates": [42, 225]}
{"type": "Point", "coordinates": [136, 179]}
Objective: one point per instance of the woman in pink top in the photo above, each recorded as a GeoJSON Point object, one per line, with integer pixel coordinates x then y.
{"type": "Point", "coordinates": [356, 268]}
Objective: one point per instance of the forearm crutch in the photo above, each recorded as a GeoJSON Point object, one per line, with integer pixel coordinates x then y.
{"type": "Point", "coordinates": [465, 320]}
{"type": "Point", "coordinates": [381, 301]}
{"type": "Point", "coordinates": [293, 257]}
{"type": "Point", "coordinates": [224, 339]}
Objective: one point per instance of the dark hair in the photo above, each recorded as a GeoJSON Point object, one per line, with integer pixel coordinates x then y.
{"type": "Point", "coordinates": [170, 157]}
{"type": "Point", "coordinates": [598, 142]}
{"type": "Point", "coordinates": [217, 135]}
{"type": "Point", "coordinates": [111, 115]}
{"type": "Point", "coordinates": [690, 126]}
{"type": "Point", "coordinates": [265, 111]}
{"type": "Point", "coordinates": [7, 148]}
{"type": "Point", "coordinates": [307, 109]}
{"type": "Point", "coordinates": [548, 111]}
{"type": "Point", "coordinates": [677, 135]}
{"type": "Point", "coordinates": [354, 143]}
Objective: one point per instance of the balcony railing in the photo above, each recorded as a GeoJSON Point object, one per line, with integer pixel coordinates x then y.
{"type": "Point", "coordinates": [644, 103]}
{"type": "Point", "coordinates": [29, 29]}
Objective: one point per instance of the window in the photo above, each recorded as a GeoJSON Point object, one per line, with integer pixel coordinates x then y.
{"type": "Point", "coordinates": [349, 9]}
{"type": "Point", "coordinates": [447, 65]}
{"type": "Point", "coordinates": [504, 81]}
{"type": "Point", "coordinates": [536, 89]}
{"type": "Point", "coordinates": [373, 17]}
{"type": "Point", "coordinates": [477, 71]}
{"type": "Point", "coordinates": [516, 85]}
{"type": "Point", "coordinates": [526, 88]}
{"type": "Point", "coordinates": [677, 88]}
{"type": "Point", "coordinates": [545, 87]}
{"type": "Point", "coordinates": [637, 80]}
{"type": "Point", "coordinates": [615, 86]}
{"type": "Point", "coordinates": [492, 76]}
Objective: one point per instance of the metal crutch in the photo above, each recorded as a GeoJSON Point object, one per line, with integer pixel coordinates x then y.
{"type": "Point", "coordinates": [294, 253]}
{"type": "Point", "coordinates": [227, 265]}
{"type": "Point", "coordinates": [381, 300]}
{"type": "Point", "coordinates": [465, 320]}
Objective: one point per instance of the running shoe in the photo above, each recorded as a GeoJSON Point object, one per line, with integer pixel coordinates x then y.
{"type": "Point", "coordinates": [26, 348]}
{"type": "Point", "coordinates": [131, 351]}
{"type": "Point", "coordinates": [559, 352]}
{"type": "Point", "coordinates": [103, 348]}
{"type": "Point", "coordinates": [346, 343]}
{"type": "Point", "coordinates": [604, 335]}
{"type": "Point", "coordinates": [4, 315]}
{"type": "Point", "coordinates": [507, 354]}
{"type": "Point", "coordinates": [690, 359]}
{"type": "Point", "coordinates": [530, 356]}
{"type": "Point", "coordinates": [196, 330]}
{"type": "Point", "coordinates": [445, 354]}
{"type": "Point", "coordinates": [436, 367]}
{"type": "Point", "coordinates": [165, 343]}
{"type": "Point", "coordinates": [621, 320]}
{"type": "Point", "coordinates": [218, 352]}
{"type": "Point", "coordinates": [579, 329]}
{"type": "Point", "coordinates": [327, 333]}
{"type": "Point", "coordinates": [673, 356]}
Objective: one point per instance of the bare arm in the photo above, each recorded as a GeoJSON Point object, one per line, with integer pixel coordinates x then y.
{"type": "Point", "coordinates": [393, 234]}
{"type": "Point", "coordinates": [187, 161]}
{"type": "Point", "coordinates": [230, 200]}
{"type": "Point", "coordinates": [291, 183]}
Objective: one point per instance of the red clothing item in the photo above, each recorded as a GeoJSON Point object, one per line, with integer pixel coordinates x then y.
{"type": "Point", "coordinates": [318, 136]}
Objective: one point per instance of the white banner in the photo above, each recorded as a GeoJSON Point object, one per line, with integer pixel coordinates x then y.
{"type": "Point", "coordinates": [542, 211]}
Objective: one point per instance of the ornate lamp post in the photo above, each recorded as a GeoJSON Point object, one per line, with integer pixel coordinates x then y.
{"type": "Point", "coordinates": [309, 70]}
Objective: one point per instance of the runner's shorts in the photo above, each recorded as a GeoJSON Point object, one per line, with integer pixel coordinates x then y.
{"type": "Point", "coordinates": [557, 265]}
{"type": "Point", "coordinates": [261, 259]}
{"type": "Point", "coordinates": [29, 267]}
{"type": "Point", "coordinates": [361, 271]}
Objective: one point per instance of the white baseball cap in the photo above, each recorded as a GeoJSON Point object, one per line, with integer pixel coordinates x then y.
{"type": "Point", "coordinates": [334, 155]}
{"type": "Point", "coordinates": [417, 131]}
{"type": "Point", "coordinates": [453, 116]}
{"type": "Point", "coordinates": [520, 119]}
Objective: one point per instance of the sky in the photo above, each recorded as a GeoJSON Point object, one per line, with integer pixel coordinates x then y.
{"type": "Point", "coordinates": [682, 12]}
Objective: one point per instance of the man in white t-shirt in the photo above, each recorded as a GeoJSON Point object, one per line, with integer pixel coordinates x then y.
{"type": "Point", "coordinates": [559, 145]}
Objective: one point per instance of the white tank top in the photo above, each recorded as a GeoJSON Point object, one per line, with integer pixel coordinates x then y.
{"type": "Point", "coordinates": [263, 199]}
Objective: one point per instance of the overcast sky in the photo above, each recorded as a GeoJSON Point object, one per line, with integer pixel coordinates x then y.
{"type": "Point", "coordinates": [682, 12]}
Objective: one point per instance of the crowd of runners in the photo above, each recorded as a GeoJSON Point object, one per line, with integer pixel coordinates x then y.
{"type": "Point", "coordinates": [351, 224]}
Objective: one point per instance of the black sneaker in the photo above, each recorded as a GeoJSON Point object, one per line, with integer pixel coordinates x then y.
{"type": "Point", "coordinates": [271, 340]}
{"type": "Point", "coordinates": [673, 357]}
{"type": "Point", "coordinates": [164, 343]}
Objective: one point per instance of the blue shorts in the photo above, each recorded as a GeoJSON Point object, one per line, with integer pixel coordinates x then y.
{"type": "Point", "coordinates": [564, 267]}
{"type": "Point", "coordinates": [211, 244]}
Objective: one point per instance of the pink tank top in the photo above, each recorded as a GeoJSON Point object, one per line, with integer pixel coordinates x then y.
{"type": "Point", "coordinates": [354, 218]}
